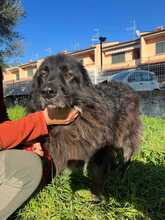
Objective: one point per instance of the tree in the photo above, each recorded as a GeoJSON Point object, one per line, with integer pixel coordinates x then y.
{"type": "Point", "coordinates": [11, 12]}
{"type": "Point", "coordinates": [3, 112]}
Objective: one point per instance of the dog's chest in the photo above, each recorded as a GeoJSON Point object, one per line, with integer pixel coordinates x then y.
{"type": "Point", "coordinates": [80, 139]}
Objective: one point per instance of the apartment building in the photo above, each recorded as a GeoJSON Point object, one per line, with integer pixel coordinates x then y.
{"type": "Point", "coordinates": [146, 52]}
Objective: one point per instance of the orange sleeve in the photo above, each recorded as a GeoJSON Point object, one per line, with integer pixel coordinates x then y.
{"type": "Point", "coordinates": [23, 130]}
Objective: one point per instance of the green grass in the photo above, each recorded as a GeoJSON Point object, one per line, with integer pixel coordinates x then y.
{"type": "Point", "coordinates": [16, 112]}
{"type": "Point", "coordinates": [140, 195]}
{"type": "Point", "coordinates": [154, 133]}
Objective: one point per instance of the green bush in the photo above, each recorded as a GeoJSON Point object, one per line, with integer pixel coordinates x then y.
{"type": "Point", "coordinates": [16, 112]}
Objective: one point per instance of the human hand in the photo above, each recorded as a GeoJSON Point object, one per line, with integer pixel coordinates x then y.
{"type": "Point", "coordinates": [70, 117]}
{"type": "Point", "coordinates": [37, 148]}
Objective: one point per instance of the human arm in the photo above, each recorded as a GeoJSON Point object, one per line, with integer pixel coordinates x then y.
{"type": "Point", "coordinates": [28, 128]}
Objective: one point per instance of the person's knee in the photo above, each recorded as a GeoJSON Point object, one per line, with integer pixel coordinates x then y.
{"type": "Point", "coordinates": [35, 169]}
{"type": "Point", "coordinates": [24, 166]}
{"type": "Point", "coordinates": [21, 177]}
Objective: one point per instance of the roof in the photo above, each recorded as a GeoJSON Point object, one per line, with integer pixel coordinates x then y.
{"type": "Point", "coordinates": [82, 51]}
{"type": "Point", "coordinates": [127, 43]}
{"type": "Point", "coordinates": [151, 34]}
{"type": "Point", "coordinates": [14, 68]}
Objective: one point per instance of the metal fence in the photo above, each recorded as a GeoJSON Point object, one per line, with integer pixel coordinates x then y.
{"type": "Point", "coordinates": [158, 68]}
{"type": "Point", "coordinates": [17, 93]}
{"type": "Point", "coordinates": [151, 102]}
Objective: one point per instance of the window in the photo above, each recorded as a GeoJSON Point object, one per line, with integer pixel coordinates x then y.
{"type": "Point", "coordinates": [17, 76]}
{"type": "Point", "coordinates": [120, 76]}
{"type": "Point", "coordinates": [118, 58]}
{"type": "Point", "coordinates": [135, 77]}
{"type": "Point", "coordinates": [29, 72]}
{"type": "Point", "coordinates": [147, 77]}
{"type": "Point", "coordinates": [160, 47]}
{"type": "Point", "coordinates": [140, 76]}
{"type": "Point", "coordinates": [136, 54]}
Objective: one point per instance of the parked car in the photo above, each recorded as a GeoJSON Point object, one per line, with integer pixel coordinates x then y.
{"type": "Point", "coordinates": [162, 85]}
{"type": "Point", "coordinates": [139, 80]}
{"type": "Point", "coordinates": [17, 94]}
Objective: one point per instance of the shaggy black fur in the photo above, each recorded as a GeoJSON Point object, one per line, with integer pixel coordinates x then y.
{"type": "Point", "coordinates": [109, 120]}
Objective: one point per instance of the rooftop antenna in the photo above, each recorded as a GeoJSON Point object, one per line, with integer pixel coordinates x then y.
{"type": "Point", "coordinates": [133, 29]}
{"type": "Point", "coordinates": [36, 55]}
{"type": "Point", "coordinates": [49, 51]}
{"type": "Point", "coordinates": [95, 37]}
{"type": "Point", "coordinates": [76, 45]}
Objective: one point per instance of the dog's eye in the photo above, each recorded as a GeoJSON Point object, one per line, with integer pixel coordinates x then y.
{"type": "Point", "coordinates": [45, 71]}
{"type": "Point", "coordinates": [68, 76]}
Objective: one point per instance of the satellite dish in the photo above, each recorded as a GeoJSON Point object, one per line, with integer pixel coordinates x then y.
{"type": "Point", "coordinates": [137, 33]}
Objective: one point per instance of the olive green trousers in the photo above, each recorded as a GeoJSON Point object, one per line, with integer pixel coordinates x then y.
{"type": "Point", "coordinates": [20, 175]}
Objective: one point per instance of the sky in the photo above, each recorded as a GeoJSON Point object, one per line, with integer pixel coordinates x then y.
{"type": "Point", "coordinates": [52, 26]}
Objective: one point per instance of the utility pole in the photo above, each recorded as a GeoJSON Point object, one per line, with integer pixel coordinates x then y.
{"type": "Point", "coordinates": [101, 39]}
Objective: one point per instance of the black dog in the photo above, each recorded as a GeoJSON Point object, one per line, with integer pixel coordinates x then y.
{"type": "Point", "coordinates": [109, 121]}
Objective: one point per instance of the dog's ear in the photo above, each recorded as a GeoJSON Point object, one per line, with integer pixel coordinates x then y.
{"type": "Point", "coordinates": [86, 79]}
{"type": "Point", "coordinates": [34, 103]}
{"type": "Point", "coordinates": [36, 81]}
{"type": "Point", "coordinates": [44, 71]}
{"type": "Point", "coordinates": [39, 77]}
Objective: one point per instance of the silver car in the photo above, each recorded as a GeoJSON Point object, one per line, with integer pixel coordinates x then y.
{"type": "Point", "coordinates": [139, 80]}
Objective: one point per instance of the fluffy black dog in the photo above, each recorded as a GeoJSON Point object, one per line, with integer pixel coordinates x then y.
{"type": "Point", "coordinates": [109, 121]}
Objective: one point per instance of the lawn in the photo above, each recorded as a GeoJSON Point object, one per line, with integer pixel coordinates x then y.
{"type": "Point", "coordinates": [139, 195]}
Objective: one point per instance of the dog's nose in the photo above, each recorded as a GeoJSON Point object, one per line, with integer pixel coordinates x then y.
{"type": "Point", "coordinates": [48, 92]}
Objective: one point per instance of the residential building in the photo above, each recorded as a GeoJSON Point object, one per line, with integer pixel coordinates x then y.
{"type": "Point", "coordinates": [146, 52]}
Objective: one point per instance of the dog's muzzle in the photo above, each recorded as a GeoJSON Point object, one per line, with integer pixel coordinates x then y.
{"type": "Point", "coordinates": [54, 98]}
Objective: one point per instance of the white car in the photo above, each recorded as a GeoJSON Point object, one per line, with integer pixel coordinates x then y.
{"type": "Point", "coordinates": [139, 80]}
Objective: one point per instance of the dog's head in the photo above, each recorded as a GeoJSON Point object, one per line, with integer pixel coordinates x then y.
{"type": "Point", "coordinates": [58, 81]}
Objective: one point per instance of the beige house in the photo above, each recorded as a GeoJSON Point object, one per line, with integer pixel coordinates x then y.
{"type": "Point", "coordinates": [146, 52]}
